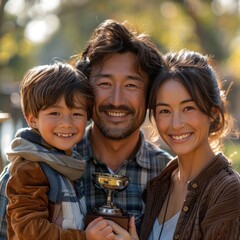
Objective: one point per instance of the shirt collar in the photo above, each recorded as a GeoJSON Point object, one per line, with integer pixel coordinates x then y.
{"type": "Point", "coordinates": [141, 157]}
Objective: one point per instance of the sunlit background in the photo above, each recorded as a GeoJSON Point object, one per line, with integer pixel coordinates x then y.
{"type": "Point", "coordinates": [37, 32]}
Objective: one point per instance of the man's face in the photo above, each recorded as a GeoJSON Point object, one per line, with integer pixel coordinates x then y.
{"type": "Point", "coordinates": [120, 96]}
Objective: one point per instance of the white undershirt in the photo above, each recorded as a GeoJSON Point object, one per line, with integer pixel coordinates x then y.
{"type": "Point", "coordinates": [168, 229]}
{"type": "Point", "coordinates": [110, 171]}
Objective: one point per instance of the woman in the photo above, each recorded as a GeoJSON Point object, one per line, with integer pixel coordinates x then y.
{"type": "Point", "coordinates": [197, 196]}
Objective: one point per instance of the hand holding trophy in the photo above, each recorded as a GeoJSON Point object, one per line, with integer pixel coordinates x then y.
{"type": "Point", "coordinates": [109, 183]}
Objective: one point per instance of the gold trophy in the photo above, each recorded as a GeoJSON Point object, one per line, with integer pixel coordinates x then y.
{"type": "Point", "coordinates": [109, 183]}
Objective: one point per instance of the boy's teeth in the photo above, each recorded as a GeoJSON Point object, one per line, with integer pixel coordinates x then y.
{"type": "Point", "coordinates": [64, 135]}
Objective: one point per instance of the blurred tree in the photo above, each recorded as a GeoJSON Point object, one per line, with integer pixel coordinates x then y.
{"type": "Point", "coordinates": [34, 32]}
{"type": "Point", "coordinates": [37, 31]}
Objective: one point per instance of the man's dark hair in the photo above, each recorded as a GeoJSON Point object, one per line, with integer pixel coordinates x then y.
{"type": "Point", "coordinates": [112, 37]}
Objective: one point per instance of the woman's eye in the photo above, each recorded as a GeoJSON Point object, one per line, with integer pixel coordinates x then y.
{"type": "Point", "coordinates": [189, 108]}
{"type": "Point", "coordinates": [164, 111]}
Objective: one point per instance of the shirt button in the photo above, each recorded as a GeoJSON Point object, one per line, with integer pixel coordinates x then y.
{"type": "Point", "coordinates": [185, 208]}
{"type": "Point", "coordinates": [176, 236]}
{"type": "Point", "coordinates": [194, 185]}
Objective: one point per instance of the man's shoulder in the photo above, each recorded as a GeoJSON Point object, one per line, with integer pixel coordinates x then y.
{"type": "Point", "coordinates": [84, 146]}
{"type": "Point", "coordinates": [152, 157]}
{"type": "Point", "coordinates": [155, 151]}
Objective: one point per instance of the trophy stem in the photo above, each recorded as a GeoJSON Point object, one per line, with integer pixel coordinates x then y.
{"type": "Point", "coordinates": [109, 198]}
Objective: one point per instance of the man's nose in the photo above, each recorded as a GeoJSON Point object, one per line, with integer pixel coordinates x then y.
{"type": "Point", "coordinates": [117, 96]}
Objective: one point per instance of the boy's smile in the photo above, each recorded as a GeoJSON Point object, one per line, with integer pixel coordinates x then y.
{"type": "Point", "coordinates": [61, 126]}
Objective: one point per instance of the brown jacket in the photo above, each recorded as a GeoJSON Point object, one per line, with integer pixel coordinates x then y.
{"type": "Point", "coordinates": [42, 191]}
{"type": "Point", "coordinates": [212, 206]}
{"type": "Point", "coordinates": [31, 215]}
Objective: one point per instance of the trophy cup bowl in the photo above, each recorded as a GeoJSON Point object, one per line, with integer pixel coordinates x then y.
{"type": "Point", "coordinates": [110, 184]}
{"type": "Point", "coordinates": [109, 181]}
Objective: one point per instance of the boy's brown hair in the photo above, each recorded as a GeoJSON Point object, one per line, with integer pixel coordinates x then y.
{"type": "Point", "coordinates": [43, 86]}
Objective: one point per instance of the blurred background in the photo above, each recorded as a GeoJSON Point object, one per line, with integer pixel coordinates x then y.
{"type": "Point", "coordinates": [38, 32]}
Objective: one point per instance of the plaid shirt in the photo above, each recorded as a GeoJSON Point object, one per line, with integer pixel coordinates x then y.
{"type": "Point", "coordinates": [3, 203]}
{"type": "Point", "coordinates": [148, 163]}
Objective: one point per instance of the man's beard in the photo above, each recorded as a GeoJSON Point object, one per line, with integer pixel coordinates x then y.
{"type": "Point", "coordinates": [117, 133]}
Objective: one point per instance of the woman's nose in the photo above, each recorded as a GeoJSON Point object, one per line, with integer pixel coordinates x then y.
{"type": "Point", "coordinates": [177, 121]}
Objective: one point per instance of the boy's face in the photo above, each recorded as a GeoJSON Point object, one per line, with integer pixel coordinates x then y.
{"type": "Point", "coordinates": [60, 126]}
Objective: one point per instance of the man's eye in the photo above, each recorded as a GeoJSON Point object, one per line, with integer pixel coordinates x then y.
{"type": "Point", "coordinates": [104, 84]}
{"type": "Point", "coordinates": [131, 86]}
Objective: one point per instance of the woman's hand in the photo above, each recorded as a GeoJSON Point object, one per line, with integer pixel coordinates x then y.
{"type": "Point", "coordinates": [122, 234]}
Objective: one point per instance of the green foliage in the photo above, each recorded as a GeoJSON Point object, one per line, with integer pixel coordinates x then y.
{"type": "Point", "coordinates": [198, 25]}
{"type": "Point", "coordinates": [232, 151]}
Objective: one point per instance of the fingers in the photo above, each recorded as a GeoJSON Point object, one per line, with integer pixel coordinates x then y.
{"type": "Point", "coordinates": [94, 222]}
{"type": "Point", "coordinates": [132, 229]}
{"type": "Point", "coordinates": [99, 229]}
{"type": "Point", "coordinates": [120, 233]}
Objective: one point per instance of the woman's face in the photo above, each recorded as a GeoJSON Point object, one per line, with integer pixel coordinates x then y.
{"type": "Point", "coordinates": [181, 124]}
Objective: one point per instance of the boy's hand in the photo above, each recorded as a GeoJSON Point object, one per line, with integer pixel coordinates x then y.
{"type": "Point", "coordinates": [99, 229]}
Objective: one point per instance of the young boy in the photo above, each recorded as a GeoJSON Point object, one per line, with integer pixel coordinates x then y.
{"type": "Point", "coordinates": [43, 187]}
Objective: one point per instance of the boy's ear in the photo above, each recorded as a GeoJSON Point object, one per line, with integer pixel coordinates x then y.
{"type": "Point", "coordinates": [31, 121]}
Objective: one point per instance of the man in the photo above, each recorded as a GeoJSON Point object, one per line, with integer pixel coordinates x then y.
{"type": "Point", "coordinates": [121, 66]}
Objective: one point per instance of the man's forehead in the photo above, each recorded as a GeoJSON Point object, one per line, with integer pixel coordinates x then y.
{"type": "Point", "coordinates": [125, 66]}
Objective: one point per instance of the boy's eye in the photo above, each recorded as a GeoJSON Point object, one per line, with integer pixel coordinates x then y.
{"type": "Point", "coordinates": [54, 113]}
{"type": "Point", "coordinates": [80, 113]}
{"type": "Point", "coordinates": [77, 114]}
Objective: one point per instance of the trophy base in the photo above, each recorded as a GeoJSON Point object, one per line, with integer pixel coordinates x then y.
{"type": "Point", "coordinates": [122, 221]}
